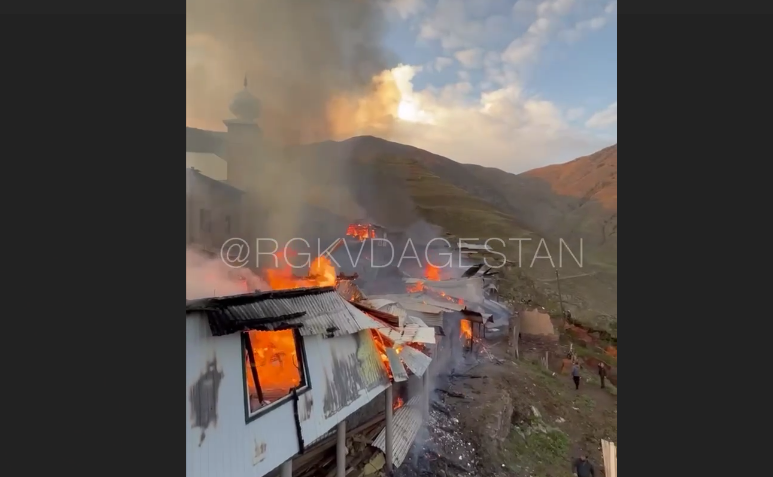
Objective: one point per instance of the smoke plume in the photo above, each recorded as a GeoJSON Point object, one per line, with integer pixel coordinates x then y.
{"type": "Point", "coordinates": [317, 66]}
{"type": "Point", "coordinates": [207, 277]}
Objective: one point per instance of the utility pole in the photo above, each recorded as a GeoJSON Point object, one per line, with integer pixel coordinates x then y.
{"type": "Point", "coordinates": [560, 300]}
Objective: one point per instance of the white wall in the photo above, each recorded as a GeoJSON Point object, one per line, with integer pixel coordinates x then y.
{"type": "Point", "coordinates": [233, 448]}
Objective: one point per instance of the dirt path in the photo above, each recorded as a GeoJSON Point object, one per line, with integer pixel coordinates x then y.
{"type": "Point", "coordinates": [525, 420]}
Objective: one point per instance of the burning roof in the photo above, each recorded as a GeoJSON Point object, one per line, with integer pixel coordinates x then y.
{"type": "Point", "coordinates": [314, 311]}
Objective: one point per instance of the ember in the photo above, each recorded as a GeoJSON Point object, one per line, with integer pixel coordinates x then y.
{"type": "Point", "coordinates": [361, 232]}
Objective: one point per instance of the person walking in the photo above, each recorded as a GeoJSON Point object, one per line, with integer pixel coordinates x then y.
{"type": "Point", "coordinates": [576, 375]}
{"type": "Point", "coordinates": [602, 373]}
{"type": "Point", "coordinates": [582, 467]}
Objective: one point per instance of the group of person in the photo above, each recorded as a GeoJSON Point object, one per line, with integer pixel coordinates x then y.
{"type": "Point", "coordinates": [582, 467]}
{"type": "Point", "coordinates": [602, 370]}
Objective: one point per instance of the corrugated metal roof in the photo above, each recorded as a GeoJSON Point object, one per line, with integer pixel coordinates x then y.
{"type": "Point", "coordinates": [378, 303]}
{"type": "Point", "coordinates": [434, 319]}
{"type": "Point", "coordinates": [414, 320]}
{"type": "Point", "coordinates": [416, 361]}
{"type": "Point", "coordinates": [325, 312]}
{"type": "Point", "coordinates": [421, 302]}
{"type": "Point", "coordinates": [468, 289]}
{"type": "Point", "coordinates": [408, 333]}
{"type": "Point", "coordinates": [398, 370]}
{"type": "Point", "coordinates": [405, 425]}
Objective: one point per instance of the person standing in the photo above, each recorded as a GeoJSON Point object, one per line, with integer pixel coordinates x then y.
{"type": "Point", "coordinates": [576, 375]}
{"type": "Point", "coordinates": [582, 467]}
{"type": "Point", "coordinates": [602, 373]}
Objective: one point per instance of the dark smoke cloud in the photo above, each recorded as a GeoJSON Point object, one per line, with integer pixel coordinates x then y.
{"type": "Point", "coordinates": [298, 55]}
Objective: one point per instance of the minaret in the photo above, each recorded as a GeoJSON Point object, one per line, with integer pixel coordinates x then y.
{"type": "Point", "coordinates": [243, 140]}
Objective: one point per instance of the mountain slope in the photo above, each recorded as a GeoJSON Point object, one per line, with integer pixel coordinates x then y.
{"type": "Point", "coordinates": [398, 185]}
{"type": "Point", "coordinates": [574, 200]}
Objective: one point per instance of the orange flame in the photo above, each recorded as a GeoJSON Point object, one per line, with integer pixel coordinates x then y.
{"type": "Point", "coordinates": [277, 364]}
{"type": "Point", "coordinates": [361, 232]}
{"type": "Point", "coordinates": [432, 272]}
{"type": "Point", "coordinates": [466, 330]}
{"type": "Point", "coordinates": [321, 274]}
{"type": "Point", "coordinates": [381, 344]}
{"type": "Point", "coordinates": [398, 404]}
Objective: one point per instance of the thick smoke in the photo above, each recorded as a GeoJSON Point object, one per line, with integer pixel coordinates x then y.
{"type": "Point", "coordinates": [208, 277]}
{"type": "Point", "coordinates": [319, 70]}
{"type": "Point", "coordinates": [317, 66]}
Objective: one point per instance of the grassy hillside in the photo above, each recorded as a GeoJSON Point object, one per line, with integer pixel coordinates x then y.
{"type": "Point", "coordinates": [572, 200]}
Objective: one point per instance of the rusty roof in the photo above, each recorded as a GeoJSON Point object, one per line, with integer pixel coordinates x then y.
{"type": "Point", "coordinates": [313, 311]}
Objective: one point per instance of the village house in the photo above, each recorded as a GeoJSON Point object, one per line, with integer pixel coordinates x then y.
{"type": "Point", "coordinates": [270, 373]}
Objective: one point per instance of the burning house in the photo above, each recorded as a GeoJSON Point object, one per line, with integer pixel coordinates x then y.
{"type": "Point", "coordinates": [270, 373]}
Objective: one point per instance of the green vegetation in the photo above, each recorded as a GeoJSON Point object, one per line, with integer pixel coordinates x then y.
{"type": "Point", "coordinates": [542, 453]}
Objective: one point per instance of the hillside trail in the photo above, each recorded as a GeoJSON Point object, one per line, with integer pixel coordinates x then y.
{"type": "Point", "coordinates": [585, 416]}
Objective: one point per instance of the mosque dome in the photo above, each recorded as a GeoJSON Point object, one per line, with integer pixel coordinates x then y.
{"type": "Point", "coordinates": [245, 105]}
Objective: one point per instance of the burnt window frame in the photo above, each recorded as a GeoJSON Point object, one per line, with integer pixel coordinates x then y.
{"type": "Point", "coordinates": [303, 387]}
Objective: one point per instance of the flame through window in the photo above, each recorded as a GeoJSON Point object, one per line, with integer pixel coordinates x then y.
{"type": "Point", "coordinates": [274, 360]}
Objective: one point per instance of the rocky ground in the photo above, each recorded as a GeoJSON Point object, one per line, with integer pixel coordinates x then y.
{"type": "Point", "coordinates": [497, 416]}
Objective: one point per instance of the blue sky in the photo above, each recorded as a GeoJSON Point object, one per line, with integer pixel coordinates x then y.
{"type": "Point", "coordinates": [505, 83]}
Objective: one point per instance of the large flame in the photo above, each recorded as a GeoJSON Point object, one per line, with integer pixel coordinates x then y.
{"type": "Point", "coordinates": [321, 274]}
{"type": "Point", "coordinates": [277, 364]}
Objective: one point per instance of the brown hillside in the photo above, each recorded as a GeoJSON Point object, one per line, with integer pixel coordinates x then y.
{"type": "Point", "coordinates": [591, 177]}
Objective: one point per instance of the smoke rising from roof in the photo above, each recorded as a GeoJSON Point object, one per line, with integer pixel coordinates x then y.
{"type": "Point", "coordinates": [317, 66]}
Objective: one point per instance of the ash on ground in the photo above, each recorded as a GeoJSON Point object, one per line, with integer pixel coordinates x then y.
{"type": "Point", "coordinates": [441, 448]}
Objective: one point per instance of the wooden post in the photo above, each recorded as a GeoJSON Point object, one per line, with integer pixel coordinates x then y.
{"type": "Point", "coordinates": [341, 450]}
{"type": "Point", "coordinates": [388, 446]}
{"type": "Point", "coordinates": [287, 468]}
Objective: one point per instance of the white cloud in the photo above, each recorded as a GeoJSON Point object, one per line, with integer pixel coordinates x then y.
{"type": "Point", "coordinates": [460, 24]}
{"type": "Point", "coordinates": [406, 8]}
{"type": "Point", "coordinates": [604, 118]}
{"type": "Point", "coordinates": [527, 46]}
{"type": "Point", "coordinates": [503, 128]}
{"type": "Point", "coordinates": [470, 58]}
{"type": "Point", "coordinates": [443, 62]}
{"type": "Point", "coordinates": [574, 114]}
{"type": "Point", "coordinates": [591, 24]}
{"type": "Point", "coordinates": [503, 125]}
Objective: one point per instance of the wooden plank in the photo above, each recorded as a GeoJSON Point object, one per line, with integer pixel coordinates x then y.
{"type": "Point", "coordinates": [609, 450]}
